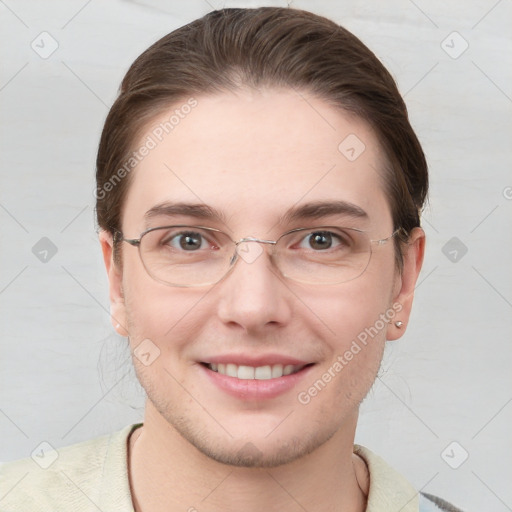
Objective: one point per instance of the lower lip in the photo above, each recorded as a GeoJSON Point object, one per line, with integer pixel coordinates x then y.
{"type": "Point", "coordinates": [254, 389]}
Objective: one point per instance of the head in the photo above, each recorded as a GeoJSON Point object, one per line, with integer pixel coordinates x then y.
{"type": "Point", "coordinates": [253, 112]}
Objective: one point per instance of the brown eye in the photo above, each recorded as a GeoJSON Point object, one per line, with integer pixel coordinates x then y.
{"type": "Point", "coordinates": [320, 240]}
{"type": "Point", "coordinates": [185, 240]}
{"type": "Point", "coordinates": [323, 240]}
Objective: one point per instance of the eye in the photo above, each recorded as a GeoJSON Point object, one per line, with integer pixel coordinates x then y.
{"type": "Point", "coordinates": [322, 240]}
{"type": "Point", "coordinates": [186, 240]}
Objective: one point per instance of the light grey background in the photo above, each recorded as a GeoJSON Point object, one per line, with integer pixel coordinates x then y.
{"type": "Point", "coordinates": [65, 376]}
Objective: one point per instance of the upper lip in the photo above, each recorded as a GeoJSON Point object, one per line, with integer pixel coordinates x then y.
{"type": "Point", "coordinates": [261, 360]}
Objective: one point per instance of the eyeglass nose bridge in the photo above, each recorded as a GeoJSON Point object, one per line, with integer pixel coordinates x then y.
{"type": "Point", "coordinates": [253, 239]}
{"type": "Point", "coordinates": [249, 256]}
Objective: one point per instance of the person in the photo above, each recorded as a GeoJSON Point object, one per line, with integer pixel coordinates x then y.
{"type": "Point", "coordinates": [259, 191]}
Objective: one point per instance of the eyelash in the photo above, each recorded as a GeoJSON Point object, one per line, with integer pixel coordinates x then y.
{"type": "Point", "coordinates": [304, 236]}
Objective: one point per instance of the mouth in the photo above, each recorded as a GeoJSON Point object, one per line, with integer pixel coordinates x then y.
{"type": "Point", "coordinates": [255, 378]}
{"type": "Point", "coordinates": [265, 372]}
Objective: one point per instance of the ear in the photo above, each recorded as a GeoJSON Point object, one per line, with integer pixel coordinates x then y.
{"type": "Point", "coordinates": [405, 283]}
{"type": "Point", "coordinates": [114, 273]}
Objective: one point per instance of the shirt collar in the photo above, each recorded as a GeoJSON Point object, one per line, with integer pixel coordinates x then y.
{"type": "Point", "coordinates": [389, 490]}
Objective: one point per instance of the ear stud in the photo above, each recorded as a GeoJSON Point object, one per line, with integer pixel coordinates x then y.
{"type": "Point", "coordinates": [399, 324]}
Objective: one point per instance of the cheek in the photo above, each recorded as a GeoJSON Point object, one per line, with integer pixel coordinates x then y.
{"type": "Point", "coordinates": [161, 313]}
{"type": "Point", "coordinates": [162, 332]}
{"type": "Point", "coordinates": [355, 317]}
{"type": "Point", "coordinates": [155, 311]}
{"type": "Point", "coordinates": [355, 348]}
{"type": "Point", "coordinates": [356, 307]}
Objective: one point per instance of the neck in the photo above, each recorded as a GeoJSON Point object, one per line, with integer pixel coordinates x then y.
{"type": "Point", "coordinates": [167, 473]}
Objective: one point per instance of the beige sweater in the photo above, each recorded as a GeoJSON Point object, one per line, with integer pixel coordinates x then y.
{"type": "Point", "coordinates": [93, 475]}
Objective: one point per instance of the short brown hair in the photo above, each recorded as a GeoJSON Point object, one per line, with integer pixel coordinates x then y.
{"type": "Point", "coordinates": [268, 46]}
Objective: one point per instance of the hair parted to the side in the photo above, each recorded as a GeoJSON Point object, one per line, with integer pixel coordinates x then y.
{"type": "Point", "coordinates": [264, 47]}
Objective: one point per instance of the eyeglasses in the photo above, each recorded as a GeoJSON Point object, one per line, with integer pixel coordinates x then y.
{"type": "Point", "coordinates": [187, 256]}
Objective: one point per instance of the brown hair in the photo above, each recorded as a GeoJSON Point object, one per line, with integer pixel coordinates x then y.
{"type": "Point", "coordinates": [269, 46]}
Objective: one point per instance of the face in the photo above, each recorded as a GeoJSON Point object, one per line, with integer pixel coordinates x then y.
{"type": "Point", "coordinates": [253, 156]}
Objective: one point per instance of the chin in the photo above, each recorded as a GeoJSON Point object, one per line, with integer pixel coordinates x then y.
{"type": "Point", "coordinates": [255, 455]}
{"type": "Point", "coordinates": [252, 450]}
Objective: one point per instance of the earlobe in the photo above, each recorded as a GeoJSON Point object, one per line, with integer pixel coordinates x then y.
{"type": "Point", "coordinates": [117, 315]}
{"type": "Point", "coordinates": [406, 282]}
{"type": "Point", "coordinates": [114, 274]}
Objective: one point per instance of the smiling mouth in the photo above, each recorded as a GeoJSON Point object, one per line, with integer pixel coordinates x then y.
{"type": "Point", "coordinates": [255, 372]}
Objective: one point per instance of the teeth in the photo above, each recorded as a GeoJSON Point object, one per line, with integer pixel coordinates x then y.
{"type": "Point", "coordinates": [244, 372]}
{"type": "Point", "coordinates": [277, 370]}
{"type": "Point", "coordinates": [263, 372]}
{"type": "Point", "coordinates": [231, 370]}
{"type": "Point", "coordinates": [288, 369]}
{"type": "Point", "coordinates": [250, 372]}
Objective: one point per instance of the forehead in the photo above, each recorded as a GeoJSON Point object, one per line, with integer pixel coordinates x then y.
{"type": "Point", "coordinates": [252, 155]}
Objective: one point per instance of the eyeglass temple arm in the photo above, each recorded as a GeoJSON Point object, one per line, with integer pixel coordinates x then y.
{"type": "Point", "coordinates": [384, 240]}
{"type": "Point", "coordinates": [118, 237]}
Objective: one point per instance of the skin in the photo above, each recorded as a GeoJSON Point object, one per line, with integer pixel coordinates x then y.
{"type": "Point", "coordinates": [253, 155]}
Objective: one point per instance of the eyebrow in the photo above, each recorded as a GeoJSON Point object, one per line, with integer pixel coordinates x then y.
{"type": "Point", "coordinates": [197, 210]}
{"type": "Point", "coordinates": [320, 209]}
{"type": "Point", "coordinates": [307, 211]}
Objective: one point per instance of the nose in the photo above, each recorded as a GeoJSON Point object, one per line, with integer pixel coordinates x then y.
{"type": "Point", "coordinates": [253, 295]}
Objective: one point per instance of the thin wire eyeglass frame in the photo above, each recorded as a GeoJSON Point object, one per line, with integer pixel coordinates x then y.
{"type": "Point", "coordinates": [136, 242]}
